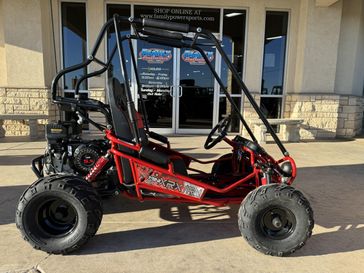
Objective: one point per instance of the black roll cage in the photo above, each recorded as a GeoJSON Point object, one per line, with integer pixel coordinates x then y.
{"type": "Point", "coordinates": [157, 32]}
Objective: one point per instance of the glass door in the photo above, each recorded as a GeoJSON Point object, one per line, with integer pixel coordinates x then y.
{"type": "Point", "coordinates": [156, 66]}
{"type": "Point", "coordinates": [195, 92]}
{"type": "Point", "coordinates": [184, 102]}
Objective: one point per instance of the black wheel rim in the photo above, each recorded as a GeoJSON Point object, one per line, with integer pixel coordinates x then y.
{"type": "Point", "coordinates": [276, 223]}
{"type": "Point", "coordinates": [57, 217]}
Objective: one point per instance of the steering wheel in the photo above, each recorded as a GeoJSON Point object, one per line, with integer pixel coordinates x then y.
{"type": "Point", "coordinates": [222, 128]}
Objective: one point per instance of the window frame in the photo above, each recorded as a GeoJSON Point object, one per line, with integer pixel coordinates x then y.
{"type": "Point", "coordinates": [288, 41]}
{"type": "Point", "coordinates": [62, 42]}
{"type": "Point", "coordinates": [243, 74]}
{"type": "Point", "coordinates": [106, 47]}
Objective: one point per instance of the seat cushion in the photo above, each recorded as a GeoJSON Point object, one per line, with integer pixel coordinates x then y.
{"type": "Point", "coordinates": [179, 166]}
{"type": "Point", "coordinates": [159, 158]}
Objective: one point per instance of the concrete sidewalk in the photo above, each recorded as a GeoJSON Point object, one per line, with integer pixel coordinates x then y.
{"type": "Point", "coordinates": [160, 237]}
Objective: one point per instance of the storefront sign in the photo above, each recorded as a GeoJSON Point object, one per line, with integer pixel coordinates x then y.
{"type": "Point", "coordinates": [194, 57]}
{"type": "Point", "coordinates": [155, 55]}
{"type": "Point", "coordinates": [203, 17]}
{"type": "Point", "coordinates": [155, 76]}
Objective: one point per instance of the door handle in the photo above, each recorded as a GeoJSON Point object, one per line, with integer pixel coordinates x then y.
{"type": "Point", "coordinates": [180, 91]}
{"type": "Point", "coordinates": [171, 88]}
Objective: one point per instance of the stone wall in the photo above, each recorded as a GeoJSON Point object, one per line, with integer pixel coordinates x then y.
{"type": "Point", "coordinates": [97, 94]}
{"type": "Point", "coordinates": [326, 116]}
{"type": "Point", "coordinates": [249, 112]}
{"type": "Point", "coordinates": [25, 101]}
{"type": "Point", "coordinates": [36, 101]}
{"type": "Point", "coordinates": [350, 121]}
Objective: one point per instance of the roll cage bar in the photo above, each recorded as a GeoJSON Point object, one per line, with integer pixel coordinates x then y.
{"type": "Point", "coordinates": [157, 32]}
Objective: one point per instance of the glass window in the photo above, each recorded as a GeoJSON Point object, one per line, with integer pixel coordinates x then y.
{"type": "Point", "coordinates": [74, 39]}
{"type": "Point", "coordinates": [233, 44]}
{"type": "Point", "coordinates": [274, 52]}
{"type": "Point", "coordinates": [225, 109]}
{"type": "Point", "coordinates": [271, 106]}
{"type": "Point", "coordinates": [197, 86]}
{"type": "Point", "coordinates": [155, 65]}
{"type": "Point", "coordinates": [273, 62]}
{"type": "Point", "coordinates": [115, 69]}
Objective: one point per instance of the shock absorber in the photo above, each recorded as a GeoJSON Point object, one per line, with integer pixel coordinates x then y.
{"type": "Point", "coordinates": [98, 167]}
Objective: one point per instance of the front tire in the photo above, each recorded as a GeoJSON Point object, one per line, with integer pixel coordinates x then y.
{"type": "Point", "coordinates": [59, 213]}
{"type": "Point", "coordinates": [276, 219]}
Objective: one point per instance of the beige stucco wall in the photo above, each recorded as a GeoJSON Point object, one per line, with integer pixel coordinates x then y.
{"type": "Point", "coordinates": [49, 61]}
{"type": "Point", "coordinates": [319, 29]}
{"type": "Point", "coordinates": [3, 74]}
{"type": "Point", "coordinates": [358, 86]}
{"type": "Point", "coordinates": [96, 10]}
{"type": "Point", "coordinates": [23, 43]}
{"type": "Point", "coordinates": [350, 68]}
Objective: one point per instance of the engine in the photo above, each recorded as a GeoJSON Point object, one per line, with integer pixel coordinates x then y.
{"type": "Point", "coordinates": [67, 152]}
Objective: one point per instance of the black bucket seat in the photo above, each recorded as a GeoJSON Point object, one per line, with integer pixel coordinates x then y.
{"type": "Point", "coordinates": [122, 129]}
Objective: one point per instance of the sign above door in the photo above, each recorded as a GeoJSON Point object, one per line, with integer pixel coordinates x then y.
{"type": "Point", "coordinates": [202, 17]}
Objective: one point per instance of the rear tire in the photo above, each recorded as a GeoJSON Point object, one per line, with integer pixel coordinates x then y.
{"type": "Point", "coordinates": [59, 213]}
{"type": "Point", "coordinates": [276, 219]}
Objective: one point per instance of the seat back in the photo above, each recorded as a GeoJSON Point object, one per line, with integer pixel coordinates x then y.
{"type": "Point", "coordinates": [123, 130]}
{"type": "Point", "coordinates": [117, 101]}
{"type": "Point", "coordinates": [121, 124]}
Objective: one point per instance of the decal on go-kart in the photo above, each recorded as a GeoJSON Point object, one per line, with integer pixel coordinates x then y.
{"type": "Point", "coordinates": [164, 181]}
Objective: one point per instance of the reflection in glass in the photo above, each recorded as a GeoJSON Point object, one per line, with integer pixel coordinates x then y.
{"type": "Point", "coordinates": [74, 42]}
{"type": "Point", "coordinates": [115, 68]}
{"type": "Point", "coordinates": [233, 44]}
{"type": "Point", "coordinates": [155, 66]}
{"type": "Point", "coordinates": [196, 93]}
{"type": "Point", "coordinates": [274, 52]}
{"type": "Point", "coordinates": [273, 62]}
{"type": "Point", "coordinates": [271, 107]}
{"type": "Point", "coordinates": [225, 109]}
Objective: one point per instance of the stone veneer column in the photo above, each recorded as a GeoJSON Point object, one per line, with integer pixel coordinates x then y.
{"type": "Point", "coordinates": [249, 112]}
{"type": "Point", "coordinates": [97, 94]}
{"type": "Point", "coordinates": [95, 10]}
{"type": "Point", "coordinates": [350, 121]}
{"type": "Point", "coordinates": [25, 101]}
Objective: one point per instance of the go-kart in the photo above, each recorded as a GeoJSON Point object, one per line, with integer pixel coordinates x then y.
{"type": "Point", "coordinates": [61, 211]}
